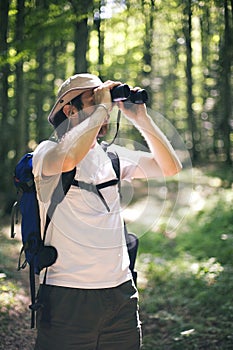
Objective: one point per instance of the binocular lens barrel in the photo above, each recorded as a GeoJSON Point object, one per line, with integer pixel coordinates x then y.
{"type": "Point", "coordinates": [139, 96]}
{"type": "Point", "coordinates": [122, 93]}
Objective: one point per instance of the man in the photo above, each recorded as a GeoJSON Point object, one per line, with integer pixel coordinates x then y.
{"type": "Point", "coordinates": [90, 301]}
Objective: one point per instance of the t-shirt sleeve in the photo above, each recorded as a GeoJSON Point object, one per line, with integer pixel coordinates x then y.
{"type": "Point", "coordinates": [129, 160]}
{"type": "Point", "coordinates": [45, 185]}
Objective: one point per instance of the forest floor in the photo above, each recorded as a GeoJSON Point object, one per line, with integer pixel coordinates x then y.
{"type": "Point", "coordinates": [183, 320]}
{"type": "Point", "coordinates": [15, 316]}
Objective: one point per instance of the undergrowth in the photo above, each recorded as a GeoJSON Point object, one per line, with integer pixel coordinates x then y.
{"type": "Point", "coordinates": [187, 299]}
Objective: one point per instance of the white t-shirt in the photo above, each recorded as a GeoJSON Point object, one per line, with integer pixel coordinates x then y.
{"type": "Point", "coordinates": [90, 240]}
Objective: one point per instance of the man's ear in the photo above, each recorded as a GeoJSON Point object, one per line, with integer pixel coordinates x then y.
{"type": "Point", "coordinates": [68, 110]}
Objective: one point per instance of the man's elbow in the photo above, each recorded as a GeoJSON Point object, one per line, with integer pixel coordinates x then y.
{"type": "Point", "coordinates": [172, 170]}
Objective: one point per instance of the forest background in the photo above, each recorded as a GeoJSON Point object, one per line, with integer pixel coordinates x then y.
{"type": "Point", "coordinates": [181, 53]}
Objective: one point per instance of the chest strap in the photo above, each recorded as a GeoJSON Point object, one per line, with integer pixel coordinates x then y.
{"type": "Point", "coordinates": [96, 188]}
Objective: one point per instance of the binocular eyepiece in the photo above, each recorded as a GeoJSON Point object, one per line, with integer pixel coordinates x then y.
{"type": "Point", "coordinates": [123, 92]}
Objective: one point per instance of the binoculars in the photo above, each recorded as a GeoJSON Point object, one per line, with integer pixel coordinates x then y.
{"type": "Point", "coordinates": [123, 92]}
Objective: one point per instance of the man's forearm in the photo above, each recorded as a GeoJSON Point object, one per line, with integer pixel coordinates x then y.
{"type": "Point", "coordinates": [161, 149]}
{"type": "Point", "coordinates": [74, 146]}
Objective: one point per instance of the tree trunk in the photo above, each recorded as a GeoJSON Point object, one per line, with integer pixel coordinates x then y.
{"type": "Point", "coordinates": [189, 65]}
{"type": "Point", "coordinates": [98, 21]}
{"type": "Point", "coordinates": [227, 94]}
{"type": "Point", "coordinates": [20, 131]}
{"type": "Point", "coordinates": [81, 45]}
{"type": "Point", "coordinates": [40, 95]}
{"type": "Point", "coordinates": [4, 72]}
{"type": "Point", "coordinates": [148, 11]}
{"type": "Point", "coordinates": [81, 34]}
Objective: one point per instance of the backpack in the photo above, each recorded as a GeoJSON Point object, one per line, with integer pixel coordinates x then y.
{"type": "Point", "coordinates": [37, 254]}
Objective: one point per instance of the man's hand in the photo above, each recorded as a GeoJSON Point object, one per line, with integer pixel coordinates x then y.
{"type": "Point", "coordinates": [136, 113]}
{"type": "Point", "coordinates": [102, 93]}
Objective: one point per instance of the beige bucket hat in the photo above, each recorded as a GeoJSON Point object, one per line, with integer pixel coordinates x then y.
{"type": "Point", "coordinates": [71, 88]}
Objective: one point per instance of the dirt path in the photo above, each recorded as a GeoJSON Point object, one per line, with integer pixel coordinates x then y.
{"type": "Point", "coordinates": [15, 315]}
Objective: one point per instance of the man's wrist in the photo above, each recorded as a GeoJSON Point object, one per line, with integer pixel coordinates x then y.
{"type": "Point", "coordinates": [102, 105]}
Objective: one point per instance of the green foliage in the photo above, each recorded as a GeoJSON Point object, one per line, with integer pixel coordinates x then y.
{"type": "Point", "coordinates": [186, 292]}
{"type": "Point", "coordinates": [211, 233]}
{"type": "Point", "coordinates": [8, 292]}
{"type": "Point", "coordinates": [183, 311]}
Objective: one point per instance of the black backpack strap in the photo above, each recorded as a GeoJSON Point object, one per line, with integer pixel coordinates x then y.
{"type": "Point", "coordinates": [58, 195]}
{"type": "Point", "coordinates": [132, 242]}
{"type": "Point", "coordinates": [34, 306]}
{"type": "Point", "coordinates": [115, 163]}
{"type": "Point", "coordinates": [14, 217]}
{"type": "Point", "coordinates": [131, 239]}
{"type": "Point", "coordinates": [96, 188]}
{"type": "Point", "coordinates": [116, 166]}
